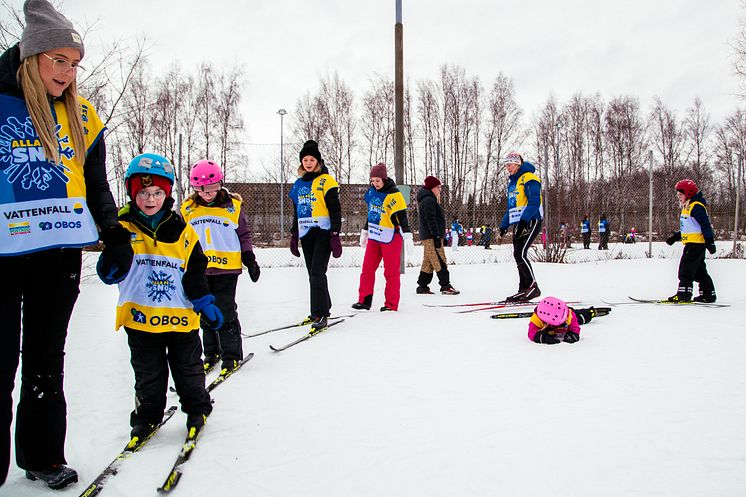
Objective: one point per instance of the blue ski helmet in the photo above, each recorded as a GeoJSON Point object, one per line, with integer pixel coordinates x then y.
{"type": "Point", "coordinates": [152, 164]}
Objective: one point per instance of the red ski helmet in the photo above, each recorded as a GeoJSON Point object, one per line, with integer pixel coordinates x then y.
{"type": "Point", "coordinates": [687, 187]}
{"type": "Point", "coordinates": [552, 311]}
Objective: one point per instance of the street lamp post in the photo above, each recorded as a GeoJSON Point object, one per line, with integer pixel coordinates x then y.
{"type": "Point", "coordinates": [282, 113]}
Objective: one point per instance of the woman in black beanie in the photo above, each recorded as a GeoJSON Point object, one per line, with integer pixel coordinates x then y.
{"type": "Point", "coordinates": [317, 220]}
{"type": "Point", "coordinates": [58, 180]}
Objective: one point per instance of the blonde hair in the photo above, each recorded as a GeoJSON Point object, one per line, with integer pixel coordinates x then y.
{"type": "Point", "coordinates": [37, 104]}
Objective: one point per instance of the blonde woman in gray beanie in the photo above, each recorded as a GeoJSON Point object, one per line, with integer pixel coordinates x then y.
{"type": "Point", "coordinates": [55, 197]}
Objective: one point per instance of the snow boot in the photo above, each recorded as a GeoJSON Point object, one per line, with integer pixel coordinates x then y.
{"type": "Point", "coordinates": [385, 308]}
{"type": "Point", "coordinates": [365, 304]}
{"type": "Point", "coordinates": [423, 290]}
{"type": "Point", "coordinates": [56, 477]}
{"type": "Point", "coordinates": [449, 290]}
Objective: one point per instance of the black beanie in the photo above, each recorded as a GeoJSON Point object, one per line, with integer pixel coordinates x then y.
{"type": "Point", "coordinates": [310, 148]}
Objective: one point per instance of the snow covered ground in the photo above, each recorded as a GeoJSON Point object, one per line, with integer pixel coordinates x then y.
{"type": "Point", "coordinates": [426, 402]}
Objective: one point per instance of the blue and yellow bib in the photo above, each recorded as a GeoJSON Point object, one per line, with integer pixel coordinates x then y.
{"type": "Point", "coordinates": [151, 297]}
{"type": "Point", "coordinates": [518, 200]}
{"type": "Point", "coordinates": [308, 197]}
{"type": "Point", "coordinates": [380, 208]}
{"type": "Point", "coordinates": [691, 231]}
{"type": "Point", "coordinates": [43, 205]}
{"type": "Point", "coordinates": [216, 227]}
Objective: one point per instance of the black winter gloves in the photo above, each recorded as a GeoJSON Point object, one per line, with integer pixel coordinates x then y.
{"type": "Point", "coordinates": [710, 245]}
{"type": "Point", "coordinates": [437, 242]}
{"type": "Point", "coordinates": [502, 231]}
{"type": "Point", "coordinates": [249, 260]}
{"type": "Point", "coordinates": [116, 258]}
{"type": "Point", "coordinates": [571, 337]}
{"type": "Point", "coordinates": [545, 336]}
{"type": "Point", "coordinates": [675, 237]}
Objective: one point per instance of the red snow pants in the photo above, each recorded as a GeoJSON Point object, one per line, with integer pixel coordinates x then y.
{"type": "Point", "coordinates": [391, 255]}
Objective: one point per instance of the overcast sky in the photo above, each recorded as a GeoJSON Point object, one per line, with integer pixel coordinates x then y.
{"type": "Point", "coordinates": [677, 49]}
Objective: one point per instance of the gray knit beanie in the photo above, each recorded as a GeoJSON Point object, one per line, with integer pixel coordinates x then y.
{"type": "Point", "coordinates": [47, 29]}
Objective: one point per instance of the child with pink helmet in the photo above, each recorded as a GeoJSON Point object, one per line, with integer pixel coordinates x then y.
{"type": "Point", "coordinates": [220, 219]}
{"type": "Point", "coordinates": [553, 321]}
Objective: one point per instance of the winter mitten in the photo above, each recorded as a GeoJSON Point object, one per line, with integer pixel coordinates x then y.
{"type": "Point", "coordinates": [336, 244]}
{"type": "Point", "coordinates": [520, 229]}
{"type": "Point", "coordinates": [116, 258]}
{"type": "Point", "coordinates": [502, 231]}
{"type": "Point", "coordinates": [294, 245]}
{"type": "Point", "coordinates": [675, 237]}
{"type": "Point", "coordinates": [546, 337]}
{"type": "Point", "coordinates": [363, 238]}
{"type": "Point", "coordinates": [249, 260]}
{"type": "Point", "coordinates": [710, 244]}
{"type": "Point", "coordinates": [205, 305]}
{"type": "Point", "coordinates": [437, 242]}
{"type": "Point", "coordinates": [571, 337]}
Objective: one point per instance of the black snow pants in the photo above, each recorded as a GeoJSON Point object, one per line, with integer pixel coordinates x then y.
{"type": "Point", "coordinates": [151, 356]}
{"type": "Point", "coordinates": [37, 296]}
{"type": "Point", "coordinates": [225, 342]}
{"type": "Point", "coordinates": [316, 251]}
{"type": "Point", "coordinates": [692, 268]}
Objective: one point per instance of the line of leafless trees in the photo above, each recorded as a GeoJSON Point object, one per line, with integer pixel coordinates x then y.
{"type": "Point", "coordinates": [591, 151]}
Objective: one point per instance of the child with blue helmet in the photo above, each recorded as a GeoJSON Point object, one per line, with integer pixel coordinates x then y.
{"type": "Point", "coordinates": [160, 299]}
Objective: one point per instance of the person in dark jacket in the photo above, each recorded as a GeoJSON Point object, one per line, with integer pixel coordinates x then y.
{"type": "Point", "coordinates": [55, 176]}
{"type": "Point", "coordinates": [160, 300]}
{"type": "Point", "coordinates": [585, 231]}
{"type": "Point", "coordinates": [525, 214]}
{"type": "Point", "coordinates": [385, 233]}
{"type": "Point", "coordinates": [317, 219]}
{"type": "Point", "coordinates": [695, 232]}
{"type": "Point", "coordinates": [432, 233]}
{"type": "Point", "coordinates": [604, 231]}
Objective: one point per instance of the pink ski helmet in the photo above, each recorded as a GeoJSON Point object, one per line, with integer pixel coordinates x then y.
{"type": "Point", "coordinates": [552, 311]}
{"type": "Point", "coordinates": [205, 172]}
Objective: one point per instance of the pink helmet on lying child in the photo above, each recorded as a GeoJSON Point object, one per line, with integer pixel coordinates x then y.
{"type": "Point", "coordinates": [552, 311]}
{"type": "Point", "coordinates": [205, 172]}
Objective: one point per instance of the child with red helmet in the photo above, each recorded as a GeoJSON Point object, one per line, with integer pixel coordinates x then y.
{"type": "Point", "coordinates": [219, 218]}
{"type": "Point", "coordinates": [695, 232]}
{"type": "Point", "coordinates": [553, 321]}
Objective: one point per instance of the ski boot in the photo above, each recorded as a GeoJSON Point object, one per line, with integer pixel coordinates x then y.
{"type": "Point", "coordinates": [365, 304]}
{"type": "Point", "coordinates": [56, 477]}
{"type": "Point", "coordinates": [319, 323]}
{"type": "Point", "coordinates": [449, 290]}
{"type": "Point", "coordinates": [210, 362]}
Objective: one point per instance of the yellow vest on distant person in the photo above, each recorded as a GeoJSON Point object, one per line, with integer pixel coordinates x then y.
{"type": "Point", "coordinates": [518, 200]}
{"type": "Point", "coordinates": [216, 227]}
{"type": "Point", "coordinates": [691, 231]}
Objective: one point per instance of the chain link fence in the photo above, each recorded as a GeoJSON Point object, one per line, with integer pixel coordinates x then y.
{"type": "Point", "coordinates": [270, 213]}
